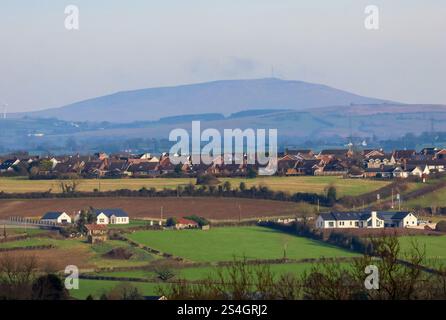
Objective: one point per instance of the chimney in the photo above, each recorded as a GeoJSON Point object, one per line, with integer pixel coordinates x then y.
{"type": "Point", "coordinates": [374, 215]}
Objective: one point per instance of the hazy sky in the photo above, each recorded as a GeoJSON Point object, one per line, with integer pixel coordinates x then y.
{"type": "Point", "coordinates": [132, 44]}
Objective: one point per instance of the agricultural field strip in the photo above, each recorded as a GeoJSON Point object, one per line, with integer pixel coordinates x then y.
{"type": "Point", "coordinates": [285, 184]}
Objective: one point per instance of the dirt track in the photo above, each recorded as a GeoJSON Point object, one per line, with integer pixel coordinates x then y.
{"type": "Point", "coordinates": [212, 208]}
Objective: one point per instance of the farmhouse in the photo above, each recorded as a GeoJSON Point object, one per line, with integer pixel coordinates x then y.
{"type": "Point", "coordinates": [56, 217]}
{"type": "Point", "coordinates": [372, 219]}
{"type": "Point", "coordinates": [111, 216]}
{"type": "Point", "coordinates": [183, 223]}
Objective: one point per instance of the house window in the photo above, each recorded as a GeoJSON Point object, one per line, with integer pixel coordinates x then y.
{"type": "Point", "coordinates": [357, 223]}
{"type": "Point", "coordinates": [101, 220]}
{"type": "Point", "coordinates": [331, 224]}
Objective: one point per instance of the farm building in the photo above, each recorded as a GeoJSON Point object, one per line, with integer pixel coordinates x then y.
{"type": "Point", "coordinates": [183, 223]}
{"type": "Point", "coordinates": [372, 219]}
{"type": "Point", "coordinates": [96, 233]}
{"type": "Point", "coordinates": [56, 217]}
{"type": "Point", "coordinates": [111, 216]}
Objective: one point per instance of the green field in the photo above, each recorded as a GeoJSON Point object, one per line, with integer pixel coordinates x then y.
{"type": "Point", "coordinates": [98, 287]}
{"type": "Point", "coordinates": [288, 184]}
{"type": "Point", "coordinates": [225, 244]}
{"type": "Point", "coordinates": [436, 198]}
{"type": "Point", "coordinates": [434, 246]}
{"type": "Point", "coordinates": [200, 273]}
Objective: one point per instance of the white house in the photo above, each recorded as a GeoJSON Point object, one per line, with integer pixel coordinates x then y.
{"type": "Point", "coordinates": [111, 216]}
{"type": "Point", "coordinates": [420, 171]}
{"type": "Point", "coordinates": [372, 220]}
{"type": "Point", "coordinates": [56, 217]}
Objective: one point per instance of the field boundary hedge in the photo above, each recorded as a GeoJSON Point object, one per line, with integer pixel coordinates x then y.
{"type": "Point", "coordinates": [28, 248]}
{"type": "Point", "coordinates": [259, 193]}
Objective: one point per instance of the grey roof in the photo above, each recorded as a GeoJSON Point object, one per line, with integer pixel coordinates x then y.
{"type": "Point", "coordinates": [52, 215]}
{"type": "Point", "coordinates": [111, 212]}
{"type": "Point", "coordinates": [383, 215]}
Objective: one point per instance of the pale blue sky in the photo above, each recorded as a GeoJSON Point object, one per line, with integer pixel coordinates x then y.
{"type": "Point", "coordinates": [124, 45]}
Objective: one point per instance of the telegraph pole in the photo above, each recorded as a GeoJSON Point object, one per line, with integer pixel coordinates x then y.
{"type": "Point", "coordinates": [392, 200]}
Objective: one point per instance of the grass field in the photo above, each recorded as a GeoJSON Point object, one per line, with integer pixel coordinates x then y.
{"type": "Point", "coordinates": [288, 184]}
{"type": "Point", "coordinates": [225, 244]}
{"type": "Point", "coordinates": [199, 273]}
{"type": "Point", "coordinates": [434, 246]}
{"type": "Point", "coordinates": [98, 287]}
{"type": "Point", "coordinates": [436, 198]}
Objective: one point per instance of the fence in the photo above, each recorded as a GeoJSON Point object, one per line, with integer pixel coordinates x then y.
{"type": "Point", "coordinates": [32, 222]}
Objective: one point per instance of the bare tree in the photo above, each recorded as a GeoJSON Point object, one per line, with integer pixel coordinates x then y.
{"type": "Point", "coordinates": [16, 276]}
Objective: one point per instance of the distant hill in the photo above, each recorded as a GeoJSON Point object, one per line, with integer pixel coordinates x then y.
{"type": "Point", "coordinates": [390, 121]}
{"type": "Point", "coordinates": [224, 97]}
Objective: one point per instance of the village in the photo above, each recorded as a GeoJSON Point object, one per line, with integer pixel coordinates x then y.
{"type": "Point", "coordinates": [376, 164]}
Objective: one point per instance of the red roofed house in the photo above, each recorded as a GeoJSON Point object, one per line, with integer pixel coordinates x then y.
{"type": "Point", "coordinates": [183, 223]}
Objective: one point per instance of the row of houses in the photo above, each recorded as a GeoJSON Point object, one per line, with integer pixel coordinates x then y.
{"type": "Point", "coordinates": [337, 162]}
{"type": "Point", "coordinates": [111, 217]}
{"type": "Point", "coordinates": [364, 164]}
{"type": "Point", "coordinates": [102, 165]}
{"type": "Point", "coordinates": [103, 217]}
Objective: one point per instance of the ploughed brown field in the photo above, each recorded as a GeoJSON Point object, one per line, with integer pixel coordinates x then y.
{"type": "Point", "coordinates": [211, 208]}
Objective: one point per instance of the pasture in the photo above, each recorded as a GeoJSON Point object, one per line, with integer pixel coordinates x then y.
{"type": "Point", "coordinates": [434, 246]}
{"type": "Point", "coordinates": [227, 244]}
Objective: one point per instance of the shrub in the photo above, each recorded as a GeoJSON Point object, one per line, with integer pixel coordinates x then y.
{"type": "Point", "coordinates": [171, 222]}
{"type": "Point", "coordinates": [441, 226]}
{"type": "Point", "coordinates": [200, 220]}
{"type": "Point", "coordinates": [208, 180]}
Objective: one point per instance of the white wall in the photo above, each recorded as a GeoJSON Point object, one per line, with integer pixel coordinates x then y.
{"type": "Point", "coordinates": [410, 221]}
{"type": "Point", "coordinates": [65, 217]}
{"type": "Point", "coordinates": [102, 219]}
{"type": "Point", "coordinates": [119, 220]}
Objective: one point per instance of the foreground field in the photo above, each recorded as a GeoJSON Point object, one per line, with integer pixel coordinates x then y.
{"type": "Point", "coordinates": [148, 283]}
{"type": "Point", "coordinates": [211, 208]}
{"type": "Point", "coordinates": [225, 244]}
{"type": "Point", "coordinates": [288, 184]}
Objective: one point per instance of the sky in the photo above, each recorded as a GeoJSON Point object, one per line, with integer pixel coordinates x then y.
{"type": "Point", "coordinates": [134, 44]}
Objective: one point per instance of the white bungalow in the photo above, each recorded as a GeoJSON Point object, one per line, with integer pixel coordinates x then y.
{"type": "Point", "coordinates": [56, 217]}
{"type": "Point", "coordinates": [111, 216]}
{"type": "Point", "coordinates": [372, 220]}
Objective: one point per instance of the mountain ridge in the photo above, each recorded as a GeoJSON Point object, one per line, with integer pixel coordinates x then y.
{"type": "Point", "coordinates": [221, 96]}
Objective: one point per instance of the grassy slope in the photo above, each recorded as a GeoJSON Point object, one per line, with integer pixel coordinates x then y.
{"type": "Point", "coordinates": [94, 253]}
{"type": "Point", "coordinates": [289, 184]}
{"type": "Point", "coordinates": [435, 247]}
{"type": "Point", "coordinates": [225, 244]}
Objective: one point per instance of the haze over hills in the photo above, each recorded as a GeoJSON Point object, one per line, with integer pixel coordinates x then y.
{"type": "Point", "coordinates": [224, 97]}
